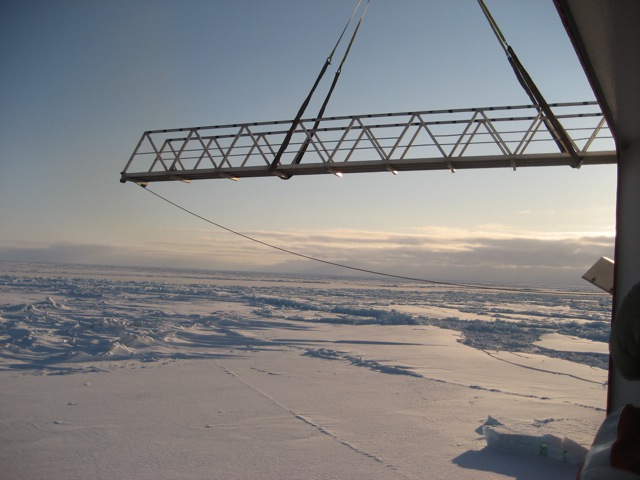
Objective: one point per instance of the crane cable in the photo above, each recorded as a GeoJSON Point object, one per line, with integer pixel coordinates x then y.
{"type": "Point", "coordinates": [565, 144]}
{"type": "Point", "coordinates": [310, 134]}
{"type": "Point", "coordinates": [364, 270]}
{"type": "Point", "coordinates": [305, 103]}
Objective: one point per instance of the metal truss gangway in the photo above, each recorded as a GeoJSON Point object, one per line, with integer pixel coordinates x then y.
{"type": "Point", "coordinates": [455, 139]}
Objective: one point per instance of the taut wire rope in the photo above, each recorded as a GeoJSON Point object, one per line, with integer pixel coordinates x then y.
{"type": "Point", "coordinates": [469, 286]}
{"type": "Point", "coordinates": [305, 104]}
{"type": "Point", "coordinates": [311, 133]}
{"type": "Point", "coordinates": [551, 121]}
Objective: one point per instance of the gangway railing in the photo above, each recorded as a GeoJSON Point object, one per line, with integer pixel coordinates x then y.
{"type": "Point", "coordinates": [492, 137]}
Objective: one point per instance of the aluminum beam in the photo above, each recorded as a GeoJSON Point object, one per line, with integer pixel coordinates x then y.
{"type": "Point", "coordinates": [455, 139]}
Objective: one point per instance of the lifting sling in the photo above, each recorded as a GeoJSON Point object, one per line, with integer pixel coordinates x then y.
{"type": "Point", "coordinates": [550, 120]}
{"type": "Point", "coordinates": [303, 107]}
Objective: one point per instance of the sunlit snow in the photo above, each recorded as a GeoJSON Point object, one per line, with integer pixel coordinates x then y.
{"type": "Point", "coordinates": [147, 373]}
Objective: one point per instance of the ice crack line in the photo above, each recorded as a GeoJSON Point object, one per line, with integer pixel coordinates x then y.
{"type": "Point", "coordinates": [311, 423]}
{"type": "Point", "coordinates": [375, 366]}
{"type": "Point", "coordinates": [360, 362]}
{"type": "Point", "coordinates": [327, 432]}
{"type": "Point", "coordinates": [542, 369]}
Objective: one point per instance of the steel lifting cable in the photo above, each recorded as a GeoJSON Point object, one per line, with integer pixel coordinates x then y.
{"type": "Point", "coordinates": [311, 133]}
{"type": "Point", "coordinates": [364, 270]}
{"type": "Point", "coordinates": [305, 104]}
{"type": "Point", "coordinates": [552, 123]}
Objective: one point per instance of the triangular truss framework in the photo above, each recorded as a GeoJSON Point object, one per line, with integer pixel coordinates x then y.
{"type": "Point", "coordinates": [492, 137]}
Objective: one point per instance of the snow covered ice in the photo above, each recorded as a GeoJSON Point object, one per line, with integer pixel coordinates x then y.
{"type": "Point", "coordinates": [161, 374]}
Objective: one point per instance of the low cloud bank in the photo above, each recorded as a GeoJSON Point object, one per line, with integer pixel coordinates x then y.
{"type": "Point", "coordinates": [437, 254]}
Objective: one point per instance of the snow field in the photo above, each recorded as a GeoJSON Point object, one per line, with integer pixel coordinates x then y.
{"type": "Point", "coordinates": [107, 373]}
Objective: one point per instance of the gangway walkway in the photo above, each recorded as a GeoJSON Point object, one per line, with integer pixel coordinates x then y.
{"type": "Point", "coordinates": [492, 137]}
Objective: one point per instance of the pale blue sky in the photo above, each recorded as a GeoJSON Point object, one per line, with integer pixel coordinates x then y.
{"type": "Point", "coordinates": [81, 80]}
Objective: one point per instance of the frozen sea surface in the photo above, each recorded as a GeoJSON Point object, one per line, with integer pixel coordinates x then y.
{"type": "Point", "coordinates": [65, 313]}
{"type": "Point", "coordinates": [194, 374]}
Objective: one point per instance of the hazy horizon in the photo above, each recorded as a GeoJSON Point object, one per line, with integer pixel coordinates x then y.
{"type": "Point", "coordinates": [329, 272]}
